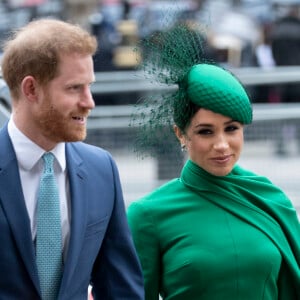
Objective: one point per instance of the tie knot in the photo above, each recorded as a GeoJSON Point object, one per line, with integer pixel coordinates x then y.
{"type": "Point", "coordinates": [48, 161]}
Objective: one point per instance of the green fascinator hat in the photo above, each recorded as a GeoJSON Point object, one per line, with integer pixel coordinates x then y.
{"type": "Point", "coordinates": [216, 89]}
{"type": "Point", "coordinates": [177, 60]}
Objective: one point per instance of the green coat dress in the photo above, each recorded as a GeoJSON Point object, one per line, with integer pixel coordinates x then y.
{"type": "Point", "coordinates": [202, 237]}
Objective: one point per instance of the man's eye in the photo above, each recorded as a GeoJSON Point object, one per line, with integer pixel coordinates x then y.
{"type": "Point", "coordinates": [75, 87]}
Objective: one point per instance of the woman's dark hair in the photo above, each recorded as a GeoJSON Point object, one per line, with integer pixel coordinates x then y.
{"type": "Point", "coordinates": [184, 110]}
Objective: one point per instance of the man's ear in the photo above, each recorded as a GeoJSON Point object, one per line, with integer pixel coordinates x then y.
{"type": "Point", "coordinates": [29, 88]}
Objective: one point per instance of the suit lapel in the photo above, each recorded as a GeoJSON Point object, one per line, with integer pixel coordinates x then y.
{"type": "Point", "coordinates": [78, 194]}
{"type": "Point", "coordinates": [13, 203]}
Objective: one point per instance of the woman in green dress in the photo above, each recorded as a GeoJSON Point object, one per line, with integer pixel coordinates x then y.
{"type": "Point", "coordinates": [218, 231]}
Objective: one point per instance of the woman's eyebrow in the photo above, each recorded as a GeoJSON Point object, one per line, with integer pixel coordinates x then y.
{"type": "Point", "coordinates": [204, 125]}
{"type": "Point", "coordinates": [211, 125]}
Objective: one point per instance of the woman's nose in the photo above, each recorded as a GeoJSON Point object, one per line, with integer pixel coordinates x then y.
{"type": "Point", "coordinates": [221, 143]}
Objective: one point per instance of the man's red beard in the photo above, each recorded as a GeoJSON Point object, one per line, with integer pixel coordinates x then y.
{"type": "Point", "coordinates": [60, 128]}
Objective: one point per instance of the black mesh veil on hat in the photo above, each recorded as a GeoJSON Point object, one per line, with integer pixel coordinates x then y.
{"type": "Point", "coordinates": [167, 56]}
{"type": "Point", "coordinates": [176, 60]}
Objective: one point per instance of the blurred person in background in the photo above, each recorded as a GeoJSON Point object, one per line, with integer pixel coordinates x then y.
{"type": "Point", "coordinates": [285, 45]}
{"type": "Point", "coordinates": [108, 38]}
{"type": "Point", "coordinates": [48, 68]}
{"type": "Point", "coordinates": [263, 58]}
{"type": "Point", "coordinates": [218, 231]}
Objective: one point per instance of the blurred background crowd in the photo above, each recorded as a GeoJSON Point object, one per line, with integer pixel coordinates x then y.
{"type": "Point", "coordinates": [238, 33]}
{"type": "Point", "coordinates": [257, 38]}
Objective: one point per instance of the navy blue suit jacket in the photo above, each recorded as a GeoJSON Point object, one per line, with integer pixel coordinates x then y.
{"type": "Point", "coordinates": [101, 250]}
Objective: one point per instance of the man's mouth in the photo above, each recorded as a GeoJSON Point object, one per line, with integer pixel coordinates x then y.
{"type": "Point", "coordinates": [79, 119]}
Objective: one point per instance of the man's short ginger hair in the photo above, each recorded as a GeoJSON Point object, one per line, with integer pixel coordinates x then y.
{"type": "Point", "coordinates": [36, 50]}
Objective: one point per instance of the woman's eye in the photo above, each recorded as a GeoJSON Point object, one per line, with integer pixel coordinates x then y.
{"type": "Point", "coordinates": [231, 128]}
{"type": "Point", "coordinates": [204, 131]}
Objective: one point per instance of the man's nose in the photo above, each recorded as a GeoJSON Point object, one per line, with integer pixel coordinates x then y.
{"type": "Point", "coordinates": [87, 99]}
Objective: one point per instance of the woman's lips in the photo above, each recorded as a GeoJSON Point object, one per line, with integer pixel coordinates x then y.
{"type": "Point", "coordinates": [222, 159]}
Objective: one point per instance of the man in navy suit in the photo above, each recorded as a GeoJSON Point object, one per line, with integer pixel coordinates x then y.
{"type": "Point", "coordinates": [48, 68]}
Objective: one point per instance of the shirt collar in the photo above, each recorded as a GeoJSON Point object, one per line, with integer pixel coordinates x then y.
{"type": "Point", "coordinates": [28, 153]}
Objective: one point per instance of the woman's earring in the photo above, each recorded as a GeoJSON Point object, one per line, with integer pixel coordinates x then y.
{"type": "Point", "coordinates": [183, 147]}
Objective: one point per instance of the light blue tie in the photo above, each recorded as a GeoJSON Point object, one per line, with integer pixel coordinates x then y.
{"type": "Point", "coordinates": [48, 236]}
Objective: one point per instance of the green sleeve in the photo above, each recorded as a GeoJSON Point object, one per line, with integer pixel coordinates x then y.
{"type": "Point", "coordinates": [146, 243]}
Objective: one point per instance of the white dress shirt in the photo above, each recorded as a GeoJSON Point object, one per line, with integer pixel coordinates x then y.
{"type": "Point", "coordinates": [29, 156]}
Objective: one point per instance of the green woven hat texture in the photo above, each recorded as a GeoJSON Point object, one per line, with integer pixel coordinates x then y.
{"type": "Point", "coordinates": [216, 89]}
